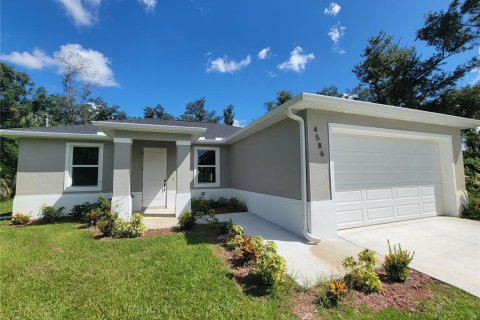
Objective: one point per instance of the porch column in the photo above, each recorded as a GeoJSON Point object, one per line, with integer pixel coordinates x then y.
{"type": "Point", "coordinates": [122, 163]}
{"type": "Point", "coordinates": [184, 178]}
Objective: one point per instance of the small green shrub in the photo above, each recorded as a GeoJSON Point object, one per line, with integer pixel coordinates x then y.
{"type": "Point", "coordinates": [91, 218]}
{"type": "Point", "coordinates": [105, 225]}
{"type": "Point", "coordinates": [472, 208]}
{"type": "Point", "coordinates": [231, 204]}
{"type": "Point", "coordinates": [234, 237]}
{"type": "Point", "coordinates": [334, 291]}
{"type": "Point", "coordinates": [361, 274]}
{"type": "Point", "coordinates": [101, 206]}
{"type": "Point", "coordinates": [187, 220]}
{"type": "Point", "coordinates": [129, 229]}
{"type": "Point", "coordinates": [49, 214]}
{"type": "Point", "coordinates": [236, 205]}
{"type": "Point", "coordinates": [396, 263]}
{"type": "Point", "coordinates": [269, 266]}
{"type": "Point", "coordinates": [20, 219]}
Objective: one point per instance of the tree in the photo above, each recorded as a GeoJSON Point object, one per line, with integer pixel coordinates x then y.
{"type": "Point", "coordinates": [282, 97]}
{"type": "Point", "coordinates": [396, 75]}
{"type": "Point", "coordinates": [195, 111]}
{"type": "Point", "coordinates": [101, 111]}
{"type": "Point", "coordinates": [157, 112]}
{"type": "Point", "coordinates": [331, 91]}
{"type": "Point", "coordinates": [228, 115]}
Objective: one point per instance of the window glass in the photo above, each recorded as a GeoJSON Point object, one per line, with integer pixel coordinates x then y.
{"type": "Point", "coordinates": [84, 176]}
{"type": "Point", "coordinates": [85, 156]}
{"type": "Point", "coordinates": [206, 174]}
{"type": "Point", "coordinates": [206, 157]}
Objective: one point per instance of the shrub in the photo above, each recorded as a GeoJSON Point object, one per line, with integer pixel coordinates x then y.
{"type": "Point", "coordinates": [396, 263]}
{"type": "Point", "coordinates": [129, 229]}
{"type": "Point", "coordinates": [49, 214]}
{"type": "Point", "coordinates": [234, 237]}
{"type": "Point", "coordinates": [472, 208]}
{"type": "Point", "coordinates": [248, 247]}
{"type": "Point", "coordinates": [105, 225]}
{"type": "Point", "coordinates": [236, 205]}
{"type": "Point", "coordinates": [361, 274]}
{"type": "Point", "coordinates": [91, 218]}
{"type": "Point", "coordinates": [20, 219]}
{"type": "Point", "coordinates": [269, 266]}
{"type": "Point", "coordinates": [200, 205]}
{"type": "Point", "coordinates": [335, 290]}
{"type": "Point", "coordinates": [187, 220]}
{"type": "Point", "coordinates": [101, 206]}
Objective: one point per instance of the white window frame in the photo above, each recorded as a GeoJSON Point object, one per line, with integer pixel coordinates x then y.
{"type": "Point", "coordinates": [68, 167]}
{"type": "Point", "coordinates": [217, 168]}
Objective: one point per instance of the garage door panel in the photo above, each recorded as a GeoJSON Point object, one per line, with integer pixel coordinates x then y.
{"type": "Point", "coordinates": [349, 216]}
{"type": "Point", "coordinates": [389, 179]}
{"type": "Point", "coordinates": [380, 213]}
{"type": "Point", "coordinates": [406, 210]}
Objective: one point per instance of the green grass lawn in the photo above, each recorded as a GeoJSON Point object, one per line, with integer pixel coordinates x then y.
{"type": "Point", "coordinates": [60, 272]}
{"type": "Point", "coordinates": [6, 207]}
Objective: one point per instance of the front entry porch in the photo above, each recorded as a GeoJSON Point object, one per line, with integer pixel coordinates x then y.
{"type": "Point", "coordinates": [152, 177]}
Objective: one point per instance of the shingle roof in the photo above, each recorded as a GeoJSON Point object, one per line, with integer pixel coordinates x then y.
{"type": "Point", "coordinates": [213, 130]}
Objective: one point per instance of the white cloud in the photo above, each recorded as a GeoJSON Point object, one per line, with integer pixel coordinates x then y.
{"type": "Point", "coordinates": [83, 13]}
{"type": "Point", "coordinates": [336, 32]}
{"type": "Point", "coordinates": [297, 61]}
{"type": "Point", "coordinates": [333, 9]}
{"type": "Point", "coordinates": [474, 76]}
{"type": "Point", "coordinates": [148, 4]}
{"type": "Point", "coordinates": [95, 65]}
{"type": "Point", "coordinates": [239, 123]}
{"type": "Point", "coordinates": [224, 65]}
{"type": "Point", "coordinates": [264, 53]}
{"type": "Point", "coordinates": [38, 59]}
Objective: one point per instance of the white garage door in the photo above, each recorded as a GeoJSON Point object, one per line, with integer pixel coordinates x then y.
{"type": "Point", "coordinates": [385, 179]}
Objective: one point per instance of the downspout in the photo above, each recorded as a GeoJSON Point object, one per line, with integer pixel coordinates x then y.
{"type": "Point", "coordinates": [303, 176]}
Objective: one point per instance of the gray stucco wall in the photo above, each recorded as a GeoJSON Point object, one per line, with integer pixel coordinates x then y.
{"type": "Point", "coordinates": [319, 167]}
{"type": "Point", "coordinates": [137, 163]}
{"type": "Point", "coordinates": [41, 166]}
{"type": "Point", "coordinates": [268, 161]}
{"type": "Point", "coordinates": [224, 164]}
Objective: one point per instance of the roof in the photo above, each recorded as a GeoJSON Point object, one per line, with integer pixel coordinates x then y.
{"type": "Point", "coordinates": [209, 131]}
{"type": "Point", "coordinates": [231, 134]}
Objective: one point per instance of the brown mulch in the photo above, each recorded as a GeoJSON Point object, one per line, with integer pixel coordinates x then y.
{"type": "Point", "coordinates": [397, 295]}
{"type": "Point", "coordinates": [305, 304]}
{"type": "Point", "coordinates": [159, 232]}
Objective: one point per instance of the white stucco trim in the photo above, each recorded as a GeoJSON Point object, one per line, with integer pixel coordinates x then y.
{"type": "Point", "coordinates": [122, 205]}
{"type": "Point", "coordinates": [122, 140]}
{"type": "Point", "coordinates": [15, 134]}
{"type": "Point", "coordinates": [30, 204]}
{"type": "Point", "coordinates": [217, 168]}
{"type": "Point", "coordinates": [183, 202]}
{"type": "Point", "coordinates": [213, 193]}
{"type": "Point", "coordinates": [183, 143]}
{"type": "Point", "coordinates": [451, 199]}
{"type": "Point", "coordinates": [67, 181]}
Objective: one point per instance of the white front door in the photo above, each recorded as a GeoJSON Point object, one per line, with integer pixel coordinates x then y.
{"type": "Point", "coordinates": [154, 177]}
{"type": "Point", "coordinates": [385, 179]}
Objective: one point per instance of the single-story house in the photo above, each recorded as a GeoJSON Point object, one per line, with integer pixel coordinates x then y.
{"type": "Point", "coordinates": [314, 165]}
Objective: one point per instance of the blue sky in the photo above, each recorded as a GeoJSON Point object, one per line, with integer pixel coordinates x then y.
{"type": "Point", "coordinates": [171, 52]}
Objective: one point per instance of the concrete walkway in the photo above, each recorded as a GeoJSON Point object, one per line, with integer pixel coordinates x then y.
{"type": "Point", "coordinates": [304, 261]}
{"type": "Point", "coordinates": [445, 248]}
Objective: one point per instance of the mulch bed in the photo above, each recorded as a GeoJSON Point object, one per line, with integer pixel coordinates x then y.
{"type": "Point", "coordinates": [159, 232]}
{"type": "Point", "coordinates": [397, 295]}
{"type": "Point", "coordinates": [305, 304]}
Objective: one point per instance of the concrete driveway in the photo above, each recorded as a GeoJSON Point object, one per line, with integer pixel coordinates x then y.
{"type": "Point", "coordinates": [445, 248]}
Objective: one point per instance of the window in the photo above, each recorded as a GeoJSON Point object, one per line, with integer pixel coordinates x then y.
{"type": "Point", "coordinates": [207, 167]}
{"type": "Point", "coordinates": [83, 167]}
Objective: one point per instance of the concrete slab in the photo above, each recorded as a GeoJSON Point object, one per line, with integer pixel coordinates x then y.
{"type": "Point", "coordinates": [445, 248]}
{"type": "Point", "coordinates": [306, 263]}
{"type": "Point", "coordinates": [159, 222]}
